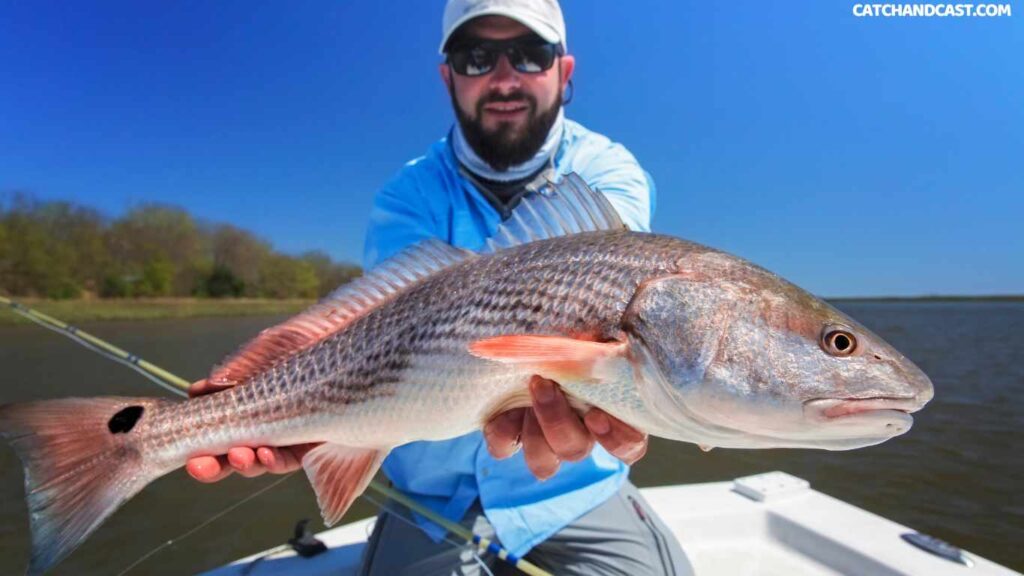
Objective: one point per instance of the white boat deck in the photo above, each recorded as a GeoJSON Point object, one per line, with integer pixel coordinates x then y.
{"type": "Point", "coordinates": [770, 524]}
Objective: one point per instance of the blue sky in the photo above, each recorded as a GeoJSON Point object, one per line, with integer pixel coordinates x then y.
{"type": "Point", "coordinates": [853, 156]}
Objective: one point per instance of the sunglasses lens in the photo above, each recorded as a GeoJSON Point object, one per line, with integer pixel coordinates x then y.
{"type": "Point", "coordinates": [475, 61]}
{"type": "Point", "coordinates": [480, 59]}
{"type": "Point", "coordinates": [532, 59]}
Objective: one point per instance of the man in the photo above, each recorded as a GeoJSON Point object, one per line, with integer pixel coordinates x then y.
{"type": "Point", "coordinates": [506, 71]}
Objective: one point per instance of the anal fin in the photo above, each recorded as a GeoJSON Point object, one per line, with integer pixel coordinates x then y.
{"type": "Point", "coordinates": [339, 474]}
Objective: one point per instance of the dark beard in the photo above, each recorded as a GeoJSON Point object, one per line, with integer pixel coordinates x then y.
{"type": "Point", "coordinates": [501, 148]}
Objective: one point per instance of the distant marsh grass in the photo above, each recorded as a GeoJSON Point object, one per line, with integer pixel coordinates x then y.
{"type": "Point", "coordinates": [154, 308]}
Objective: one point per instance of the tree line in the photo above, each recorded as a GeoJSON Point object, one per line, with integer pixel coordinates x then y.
{"type": "Point", "coordinates": [58, 249]}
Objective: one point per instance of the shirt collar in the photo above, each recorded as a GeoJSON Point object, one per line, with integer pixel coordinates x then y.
{"type": "Point", "coordinates": [465, 154]}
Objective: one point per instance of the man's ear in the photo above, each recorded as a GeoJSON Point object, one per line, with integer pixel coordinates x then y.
{"type": "Point", "coordinates": [446, 75]}
{"type": "Point", "coordinates": [568, 65]}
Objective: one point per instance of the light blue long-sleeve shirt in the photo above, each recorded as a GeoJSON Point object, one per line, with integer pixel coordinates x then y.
{"type": "Point", "coordinates": [430, 198]}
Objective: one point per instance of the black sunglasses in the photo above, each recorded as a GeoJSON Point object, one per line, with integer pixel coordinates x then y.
{"type": "Point", "coordinates": [527, 56]}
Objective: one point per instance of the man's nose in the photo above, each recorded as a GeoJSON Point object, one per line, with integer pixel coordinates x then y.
{"type": "Point", "coordinates": [505, 78]}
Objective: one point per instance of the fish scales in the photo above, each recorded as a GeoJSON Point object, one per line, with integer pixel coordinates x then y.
{"type": "Point", "coordinates": [674, 338]}
{"type": "Point", "coordinates": [409, 354]}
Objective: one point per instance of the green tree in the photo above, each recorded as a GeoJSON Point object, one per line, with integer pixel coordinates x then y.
{"type": "Point", "coordinates": [240, 253]}
{"type": "Point", "coordinates": [286, 277]}
{"type": "Point", "coordinates": [60, 249]}
{"type": "Point", "coordinates": [115, 285]}
{"type": "Point", "coordinates": [77, 243]}
{"type": "Point", "coordinates": [329, 273]}
{"type": "Point", "coordinates": [222, 283]}
{"type": "Point", "coordinates": [5, 248]}
{"type": "Point", "coordinates": [157, 278]}
{"type": "Point", "coordinates": [166, 240]}
{"type": "Point", "coordinates": [39, 256]}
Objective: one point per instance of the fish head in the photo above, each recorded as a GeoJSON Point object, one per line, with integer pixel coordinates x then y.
{"type": "Point", "coordinates": [731, 355]}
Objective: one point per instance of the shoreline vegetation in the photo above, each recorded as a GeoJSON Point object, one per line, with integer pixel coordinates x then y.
{"type": "Point", "coordinates": [101, 309]}
{"type": "Point", "coordinates": [158, 261]}
{"type": "Point", "coordinates": [56, 250]}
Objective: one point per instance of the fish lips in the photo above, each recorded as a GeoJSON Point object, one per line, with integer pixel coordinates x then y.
{"type": "Point", "coordinates": [885, 416]}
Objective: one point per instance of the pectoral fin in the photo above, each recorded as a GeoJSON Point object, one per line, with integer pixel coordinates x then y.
{"type": "Point", "coordinates": [339, 474]}
{"type": "Point", "coordinates": [555, 357]}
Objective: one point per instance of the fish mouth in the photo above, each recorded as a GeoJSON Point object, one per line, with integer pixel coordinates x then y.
{"type": "Point", "coordinates": [834, 408]}
{"type": "Point", "coordinates": [875, 419]}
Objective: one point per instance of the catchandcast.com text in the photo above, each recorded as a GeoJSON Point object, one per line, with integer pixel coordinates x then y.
{"type": "Point", "coordinates": [931, 10]}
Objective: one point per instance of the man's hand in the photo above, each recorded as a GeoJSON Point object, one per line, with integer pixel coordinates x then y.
{"type": "Point", "coordinates": [551, 432]}
{"type": "Point", "coordinates": [548, 433]}
{"type": "Point", "coordinates": [242, 459]}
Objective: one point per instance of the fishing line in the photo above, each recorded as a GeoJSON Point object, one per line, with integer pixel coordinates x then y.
{"type": "Point", "coordinates": [205, 523]}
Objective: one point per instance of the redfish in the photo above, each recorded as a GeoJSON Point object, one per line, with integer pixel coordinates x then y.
{"type": "Point", "coordinates": [676, 339]}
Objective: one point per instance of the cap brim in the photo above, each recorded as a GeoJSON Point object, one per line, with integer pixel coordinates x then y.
{"type": "Point", "coordinates": [539, 27]}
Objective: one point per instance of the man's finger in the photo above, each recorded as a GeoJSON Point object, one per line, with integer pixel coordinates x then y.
{"type": "Point", "coordinates": [503, 433]}
{"type": "Point", "coordinates": [276, 460]}
{"type": "Point", "coordinates": [562, 427]}
{"type": "Point", "coordinates": [283, 460]}
{"type": "Point", "coordinates": [208, 468]}
{"type": "Point", "coordinates": [540, 459]}
{"type": "Point", "coordinates": [618, 438]}
{"type": "Point", "coordinates": [243, 460]}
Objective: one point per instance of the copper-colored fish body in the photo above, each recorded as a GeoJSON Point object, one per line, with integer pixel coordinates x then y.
{"type": "Point", "coordinates": [674, 338]}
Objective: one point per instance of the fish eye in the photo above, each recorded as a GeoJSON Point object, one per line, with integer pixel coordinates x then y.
{"type": "Point", "coordinates": [838, 341]}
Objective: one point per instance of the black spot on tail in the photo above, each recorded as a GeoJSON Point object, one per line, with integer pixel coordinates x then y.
{"type": "Point", "coordinates": [125, 419]}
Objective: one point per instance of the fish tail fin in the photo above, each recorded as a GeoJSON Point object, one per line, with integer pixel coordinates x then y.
{"type": "Point", "coordinates": [81, 463]}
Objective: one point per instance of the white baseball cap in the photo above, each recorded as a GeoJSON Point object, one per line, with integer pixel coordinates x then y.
{"type": "Point", "coordinates": [542, 16]}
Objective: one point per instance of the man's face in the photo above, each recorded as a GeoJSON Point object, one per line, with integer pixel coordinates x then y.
{"type": "Point", "coordinates": [505, 114]}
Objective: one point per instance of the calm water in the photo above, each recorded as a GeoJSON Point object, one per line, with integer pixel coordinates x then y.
{"type": "Point", "coordinates": [957, 475]}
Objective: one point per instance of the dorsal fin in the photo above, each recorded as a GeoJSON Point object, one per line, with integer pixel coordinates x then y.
{"type": "Point", "coordinates": [556, 209]}
{"type": "Point", "coordinates": [337, 309]}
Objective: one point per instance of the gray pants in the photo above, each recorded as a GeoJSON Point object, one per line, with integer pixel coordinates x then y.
{"type": "Point", "coordinates": [623, 536]}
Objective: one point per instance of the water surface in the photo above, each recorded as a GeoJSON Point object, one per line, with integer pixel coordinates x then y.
{"type": "Point", "coordinates": [957, 475]}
